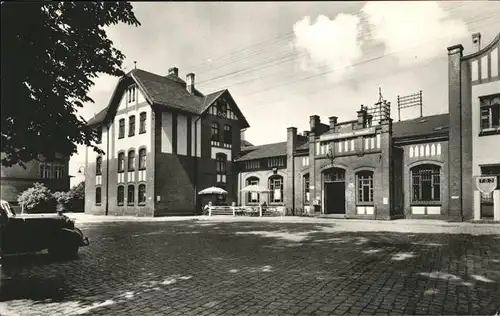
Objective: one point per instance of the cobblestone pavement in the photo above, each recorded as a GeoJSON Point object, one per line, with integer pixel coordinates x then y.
{"type": "Point", "coordinates": [236, 267]}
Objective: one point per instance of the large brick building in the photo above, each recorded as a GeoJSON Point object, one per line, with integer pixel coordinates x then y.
{"type": "Point", "coordinates": [369, 167]}
{"type": "Point", "coordinates": [164, 141]}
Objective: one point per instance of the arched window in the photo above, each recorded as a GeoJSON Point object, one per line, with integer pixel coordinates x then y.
{"type": "Point", "coordinates": [121, 128]}
{"type": "Point", "coordinates": [120, 196]}
{"type": "Point", "coordinates": [131, 125]}
{"type": "Point", "coordinates": [276, 187]}
{"type": "Point", "coordinates": [215, 132]}
{"type": "Point", "coordinates": [130, 195]}
{"type": "Point", "coordinates": [364, 184]}
{"type": "Point", "coordinates": [426, 184]}
{"type": "Point", "coordinates": [98, 196]}
{"type": "Point", "coordinates": [131, 160]}
{"type": "Point", "coordinates": [306, 188]}
{"type": "Point", "coordinates": [221, 162]}
{"type": "Point", "coordinates": [98, 166]}
{"type": "Point", "coordinates": [142, 123]}
{"type": "Point", "coordinates": [253, 197]}
{"type": "Point", "coordinates": [141, 199]}
{"type": "Point", "coordinates": [142, 158]}
{"type": "Point", "coordinates": [121, 162]}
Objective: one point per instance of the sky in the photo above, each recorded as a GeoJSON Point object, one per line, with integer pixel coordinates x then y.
{"type": "Point", "coordinates": [285, 61]}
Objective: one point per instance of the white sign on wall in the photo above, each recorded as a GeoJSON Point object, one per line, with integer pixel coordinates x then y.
{"type": "Point", "coordinates": [486, 184]}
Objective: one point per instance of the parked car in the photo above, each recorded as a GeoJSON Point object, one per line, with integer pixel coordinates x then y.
{"type": "Point", "coordinates": [24, 233]}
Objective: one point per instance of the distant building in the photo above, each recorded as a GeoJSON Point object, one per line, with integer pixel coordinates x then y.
{"type": "Point", "coordinates": [164, 141]}
{"type": "Point", "coordinates": [474, 103]}
{"type": "Point", "coordinates": [16, 179]}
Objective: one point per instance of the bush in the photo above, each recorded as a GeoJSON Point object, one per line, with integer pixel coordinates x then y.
{"type": "Point", "coordinates": [77, 197]}
{"type": "Point", "coordinates": [63, 200]}
{"type": "Point", "coordinates": [37, 199]}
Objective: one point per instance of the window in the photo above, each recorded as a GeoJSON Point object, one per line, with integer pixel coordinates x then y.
{"type": "Point", "coordinates": [252, 164]}
{"type": "Point", "coordinates": [276, 162]}
{"type": "Point", "coordinates": [58, 172]}
{"type": "Point", "coordinates": [131, 125]}
{"type": "Point", "coordinates": [98, 196]}
{"type": "Point", "coordinates": [121, 162]}
{"type": "Point", "coordinates": [227, 134]}
{"type": "Point", "coordinates": [98, 166]}
{"type": "Point", "coordinates": [306, 189]}
{"type": "Point", "coordinates": [131, 160]}
{"type": "Point", "coordinates": [99, 135]}
{"type": "Point", "coordinates": [131, 92]}
{"type": "Point", "coordinates": [44, 171]}
{"type": "Point", "coordinates": [215, 131]}
{"type": "Point", "coordinates": [253, 197]}
{"type": "Point", "coordinates": [221, 161]}
{"type": "Point", "coordinates": [51, 170]}
{"type": "Point", "coordinates": [490, 112]}
{"type": "Point", "coordinates": [142, 158]}
{"type": "Point", "coordinates": [222, 109]}
{"type": "Point", "coordinates": [142, 123]}
{"type": "Point", "coordinates": [130, 195]}
{"type": "Point", "coordinates": [121, 128]}
{"type": "Point", "coordinates": [120, 196]}
{"type": "Point", "coordinates": [426, 184]}
{"type": "Point", "coordinates": [276, 187]}
{"type": "Point", "coordinates": [365, 187]}
{"type": "Point", "coordinates": [142, 194]}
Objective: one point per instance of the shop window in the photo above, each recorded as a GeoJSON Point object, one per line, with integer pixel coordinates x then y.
{"type": "Point", "coordinates": [276, 188]}
{"type": "Point", "coordinates": [426, 184]}
{"type": "Point", "coordinates": [364, 182]}
{"type": "Point", "coordinates": [120, 196]}
{"type": "Point", "coordinates": [98, 196]}
{"type": "Point", "coordinates": [253, 197]}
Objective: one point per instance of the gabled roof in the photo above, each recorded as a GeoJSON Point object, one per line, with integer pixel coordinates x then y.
{"type": "Point", "coordinates": [165, 91]}
{"type": "Point", "coordinates": [263, 151]}
{"type": "Point", "coordinates": [422, 126]}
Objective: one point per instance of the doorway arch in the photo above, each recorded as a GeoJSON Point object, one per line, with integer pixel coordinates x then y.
{"type": "Point", "coordinates": [334, 191]}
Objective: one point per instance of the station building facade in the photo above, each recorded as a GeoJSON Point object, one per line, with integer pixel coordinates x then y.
{"type": "Point", "coordinates": [370, 167]}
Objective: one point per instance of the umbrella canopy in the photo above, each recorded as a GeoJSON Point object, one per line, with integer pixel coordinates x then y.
{"type": "Point", "coordinates": [255, 188]}
{"type": "Point", "coordinates": [212, 190]}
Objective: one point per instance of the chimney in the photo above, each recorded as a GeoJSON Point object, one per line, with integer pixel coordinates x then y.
{"type": "Point", "coordinates": [173, 71]}
{"type": "Point", "coordinates": [291, 139]}
{"type": "Point", "coordinates": [190, 82]}
{"type": "Point", "coordinates": [476, 41]}
{"type": "Point", "coordinates": [333, 122]}
{"type": "Point", "coordinates": [361, 117]}
{"type": "Point", "coordinates": [314, 122]}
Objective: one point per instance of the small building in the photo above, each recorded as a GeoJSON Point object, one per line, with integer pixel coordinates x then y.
{"type": "Point", "coordinates": [16, 179]}
{"type": "Point", "coordinates": [164, 141]}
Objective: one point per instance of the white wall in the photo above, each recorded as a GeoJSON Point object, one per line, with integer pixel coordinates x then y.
{"type": "Point", "coordinates": [485, 149]}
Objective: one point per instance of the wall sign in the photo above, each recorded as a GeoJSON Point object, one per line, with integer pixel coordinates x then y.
{"type": "Point", "coordinates": [366, 131]}
{"type": "Point", "coordinates": [486, 184]}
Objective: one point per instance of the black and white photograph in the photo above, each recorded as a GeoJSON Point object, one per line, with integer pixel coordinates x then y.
{"type": "Point", "coordinates": [250, 158]}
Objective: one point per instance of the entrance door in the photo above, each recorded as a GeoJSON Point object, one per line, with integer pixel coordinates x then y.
{"type": "Point", "coordinates": [334, 191]}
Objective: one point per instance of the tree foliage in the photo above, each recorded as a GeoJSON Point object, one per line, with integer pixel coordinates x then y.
{"type": "Point", "coordinates": [38, 199]}
{"type": "Point", "coordinates": [51, 52]}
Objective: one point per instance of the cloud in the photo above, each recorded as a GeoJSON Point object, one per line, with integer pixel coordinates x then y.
{"type": "Point", "coordinates": [328, 44]}
{"type": "Point", "coordinates": [408, 29]}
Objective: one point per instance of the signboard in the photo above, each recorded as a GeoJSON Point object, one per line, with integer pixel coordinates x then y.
{"type": "Point", "coordinates": [366, 131]}
{"type": "Point", "coordinates": [486, 184]}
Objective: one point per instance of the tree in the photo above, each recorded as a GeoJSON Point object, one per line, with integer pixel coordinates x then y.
{"type": "Point", "coordinates": [51, 51]}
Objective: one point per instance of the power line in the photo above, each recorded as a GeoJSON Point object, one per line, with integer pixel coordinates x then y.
{"type": "Point", "coordinates": [247, 52]}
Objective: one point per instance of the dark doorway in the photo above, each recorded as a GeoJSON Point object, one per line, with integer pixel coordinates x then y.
{"type": "Point", "coordinates": [334, 191]}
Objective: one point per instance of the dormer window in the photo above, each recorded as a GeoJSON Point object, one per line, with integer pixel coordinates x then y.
{"type": "Point", "coordinates": [131, 94]}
